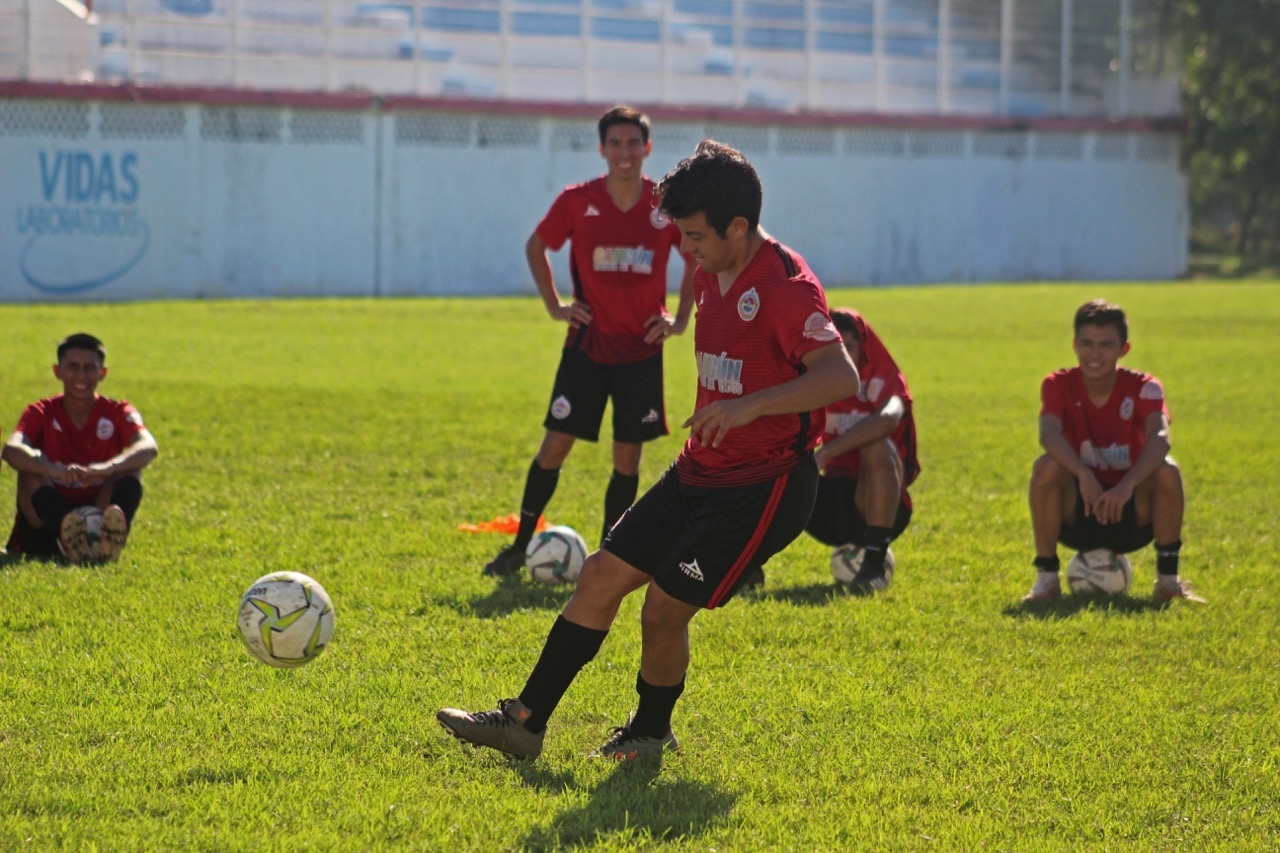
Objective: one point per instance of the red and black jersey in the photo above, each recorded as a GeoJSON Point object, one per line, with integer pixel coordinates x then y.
{"type": "Point", "coordinates": [753, 337]}
{"type": "Point", "coordinates": [112, 426]}
{"type": "Point", "coordinates": [881, 380]}
{"type": "Point", "coordinates": [1107, 438]}
{"type": "Point", "coordinates": [618, 261]}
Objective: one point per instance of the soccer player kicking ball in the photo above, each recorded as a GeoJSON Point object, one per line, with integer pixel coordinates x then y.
{"type": "Point", "coordinates": [73, 450]}
{"type": "Point", "coordinates": [769, 361]}
{"type": "Point", "coordinates": [619, 247]}
{"type": "Point", "coordinates": [1106, 479]}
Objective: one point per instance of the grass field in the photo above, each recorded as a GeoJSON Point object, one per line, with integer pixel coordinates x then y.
{"type": "Point", "coordinates": [348, 439]}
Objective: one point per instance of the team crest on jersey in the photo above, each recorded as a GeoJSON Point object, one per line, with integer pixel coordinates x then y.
{"type": "Point", "coordinates": [560, 408]}
{"type": "Point", "coordinates": [1126, 409]}
{"type": "Point", "coordinates": [106, 429]}
{"type": "Point", "coordinates": [658, 219]}
{"type": "Point", "coordinates": [749, 305]}
{"type": "Point", "coordinates": [819, 327]}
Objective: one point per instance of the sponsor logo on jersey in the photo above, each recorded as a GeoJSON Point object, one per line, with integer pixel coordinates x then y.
{"type": "Point", "coordinates": [720, 373]}
{"type": "Point", "coordinates": [871, 391]}
{"type": "Point", "coordinates": [1113, 458]}
{"type": "Point", "coordinates": [1151, 391]}
{"type": "Point", "coordinates": [818, 327]}
{"type": "Point", "coordinates": [591, 211]}
{"type": "Point", "coordinates": [658, 219]}
{"type": "Point", "coordinates": [839, 424]}
{"type": "Point", "coordinates": [105, 429]}
{"type": "Point", "coordinates": [1126, 409]}
{"type": "Point", "coordinates": [635, 259]}
{"type": "Point", "coordinates": [692, 570]}
{"type": "Point", "coordinates": [560, 408]}
{"type": "Point", "coordinates": [748, 305]}
{"type": "Point", "coordinates": [651, 417]}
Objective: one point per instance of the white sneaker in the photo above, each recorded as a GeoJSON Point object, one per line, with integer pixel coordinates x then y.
{"type": "Point", "coordinates": [1046, 588]}
{"type": "Point", "coordinates": [73, 538]}
{"type": "Point", "coordinates": [1169, 587]}
{"type": "Point", "coordinates": [115, 532]}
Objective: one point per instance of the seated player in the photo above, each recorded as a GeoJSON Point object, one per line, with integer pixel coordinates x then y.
{"type": "Point", "coordinates": [77, 449]}
{"type": "Point", "coordinates": [867, 457]}
{"type": "Point", "coordinates": [1106, 479]}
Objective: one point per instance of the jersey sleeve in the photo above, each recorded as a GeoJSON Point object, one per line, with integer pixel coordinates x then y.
{"type": "Point", "coordinates": [129, 423]}
{"type": "Point", "coordinates": [1151, 398]}
{"type": "Point", "coordinates": [557, 226]}
{"type": "Point", "coordinates": [32, 424]}
{"type": "Point", "coordinates": [1053, 396]}
{"type": "Point", "coordinates": [803, 323]}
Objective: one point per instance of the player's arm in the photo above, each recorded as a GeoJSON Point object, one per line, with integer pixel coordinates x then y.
{"type": "Point", "coordinates": [661, 326]}
{"type": "Point", "coordinates": [879, 424]}
{"type": "Point", "coordinates": [26, 459]}
{"type": "Point", "coordinates": [1154, 452]}
{"type": "Point", "coordinates": [575, 313]}
{"type": "Point", "coordinates": [829, 376]}
{"type": "Point", "coordinates": [136, 456]}
{"type": "Point", "coordinates": [1060, 450]}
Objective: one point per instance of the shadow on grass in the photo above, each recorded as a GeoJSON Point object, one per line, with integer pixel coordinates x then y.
{"type": "Point", "coordinates": [807, 595]}
{"type": "Point", "coordinates": [510, 594]}
{"type": "Point", "coordinates": [634, 805]}
{"type": "Point", "coordinates": [1069, 605]}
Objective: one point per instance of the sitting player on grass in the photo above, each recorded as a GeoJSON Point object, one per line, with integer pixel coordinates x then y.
{"type": "Point", "coordinates": [77, 449]}
{"type": "Point", "coordinates": [1106, 479]}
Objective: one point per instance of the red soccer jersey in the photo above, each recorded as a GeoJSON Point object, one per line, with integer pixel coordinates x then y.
{"type": "Point", "coordinates": [618, 261]}
{"type": "Point", "coordinates": [112, 426]}
{"type": "Point", "coordinates": [881, 380]}
{"type": "Point", "coordinates": [1108, 438]}
{"type": "Point", "coordinates": [752, 338]}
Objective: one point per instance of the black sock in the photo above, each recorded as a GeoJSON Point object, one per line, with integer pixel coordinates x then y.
{"type": "Point", "coordinates": [873, 552]}
{"type": "Point", "coordinates": [569, 647]}
{"type": "Point", "coordinates": [1047, 564]}
{"type": "Point", "coordinates": [653, 714]}
{"type": "Point", "coordinates": [1167, 558]}
{"type": "Point", "coordinates": [618, 498]}
{"type": "Point", "coordinates": [539, 486]}
{"type": "Point", "coordinates": [126, 493]}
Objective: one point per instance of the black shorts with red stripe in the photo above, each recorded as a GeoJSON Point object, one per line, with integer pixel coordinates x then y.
{"type": "Point", "coordinates": [699, 543]}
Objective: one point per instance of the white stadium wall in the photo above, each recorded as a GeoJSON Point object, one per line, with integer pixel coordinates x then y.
{"type": "Point", "coordinates": [123, 193]}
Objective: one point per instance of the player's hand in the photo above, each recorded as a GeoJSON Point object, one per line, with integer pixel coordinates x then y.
{"type": "Point", "coordinates": [820, 456]}
{"type": "Point", "coordinates": [659, 327]}
{"type": "Point", "coordinates": [576, 314]}
{"type": "Point", "coordinates": [712, 422]}
{"type": "Point", "coordinates": [1109, 507]}
{"type": "Point", "coordinates": [1090, 493]}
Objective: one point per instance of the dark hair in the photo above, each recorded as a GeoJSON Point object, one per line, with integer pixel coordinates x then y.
{"type": "Point", "coordinates": [718, 182]}
{"type": "Point", "coordinates": [843, 319]}
{"type": "Point", "coordinates": [1100, 312]}
{"type": "Point", "coordinates": [82, 340]}
{"type": "Point", "coordinates": [623, 114]}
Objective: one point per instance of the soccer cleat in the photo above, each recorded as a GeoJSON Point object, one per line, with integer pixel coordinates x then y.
{"type": "Point", "coordinates": [1167, 590]}
{"type": "Point", "coordinates": [73, 538]}
{"type": "Point", "coordinates": [1046, 588]}
{"type": "Point", "coordinates": [509, 561]}
{"type": "Point", "coordinates": [115, 531]}
{"type": "Point", "coordinates": [622, 745]}
{"type": "Point", "coordinates": [754, 579]}
{"type": "Point", "coordinates": [501, 729]}
{"type": "Point", "coordinates": [866, 583]}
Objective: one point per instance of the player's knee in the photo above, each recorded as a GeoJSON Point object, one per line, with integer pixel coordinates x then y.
{"type": "Point", "coordinates": [1168, 477]}
{"type": "Point", "coordinates": [1046, 473]}
{"type": "Point", "coordinates": [880, 460]}
{"type": "Point", "coordinates": [554, 450]}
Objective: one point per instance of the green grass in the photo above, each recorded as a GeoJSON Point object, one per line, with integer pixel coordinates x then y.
{"type": "Point", "coordinates": [347, 439]}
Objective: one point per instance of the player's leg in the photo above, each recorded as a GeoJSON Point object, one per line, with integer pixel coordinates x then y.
{"type": "Point", "coordinates": [119, 501]}
{"type": "Point", "coordinates": [639, 415]}
{"type": "Point", "coordinates": [1159, 502]}
{"type": "Point", "coordinates": [578, 400]}
{"type": "Point", "coordinates": [877, 498]}
{"type": "Point", "coordinates": [623, 484]}
{"type": "Point", "coordinates": [1053, 498]}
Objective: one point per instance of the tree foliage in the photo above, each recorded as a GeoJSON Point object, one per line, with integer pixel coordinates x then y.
{"type": "Point", "coordinates": [1231, 96]}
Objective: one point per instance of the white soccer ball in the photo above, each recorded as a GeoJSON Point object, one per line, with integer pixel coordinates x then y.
{"type": "Point", "coordinates": [556, 555]}
{"type": "Point", "coordinates": [286, 619]}
{"type": "Point", "coordinates": [847, 559]}
{"type": "Point", "coordinates": [1099, 572]}
{"type": "Point", "coordinates": [92, 525]}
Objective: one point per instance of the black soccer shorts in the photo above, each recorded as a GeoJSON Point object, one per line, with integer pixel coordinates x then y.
{"type": "Point", "coordinates": [583, 387]}
{"type": "Point", "coordinates": [836, 520]}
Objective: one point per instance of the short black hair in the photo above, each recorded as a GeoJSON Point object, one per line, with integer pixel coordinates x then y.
{"type": "Point", "coordinates": [623, 114]}
{"type": "Point", "coordinates": [717, 181]}
{"type": "Point", "coordinates": [1100, 312]}
{"type": "Point", "coordinates": [843, 320]}
{"type": "Point", "coordinates": [82, 340]}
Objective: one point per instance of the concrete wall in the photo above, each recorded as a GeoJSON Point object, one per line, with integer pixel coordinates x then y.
{"type": "Point", "coordinates": [208, 194]}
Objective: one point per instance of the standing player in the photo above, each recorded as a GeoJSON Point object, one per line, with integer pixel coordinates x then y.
{"type": "Point", "coordinates": [77, 449]}
{"type": "Point", "coordinates": [867, 457]}
{"type": "Point", "coordinates": [1106, 479]}
{"type": "Point", "coordinates": [769, 361]}
{"type": "Point", "coordinates": [620, 244]}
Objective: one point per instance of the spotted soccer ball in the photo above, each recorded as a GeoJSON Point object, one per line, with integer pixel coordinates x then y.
{"type": "Point", "coordinates": [1099, 572]}
{"type": "Point", "coordinates": [286, 619]}
{"type": "Point", "coordinates": [847, 559]}
{"type": "Point", "coordinates": [556, 555]}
